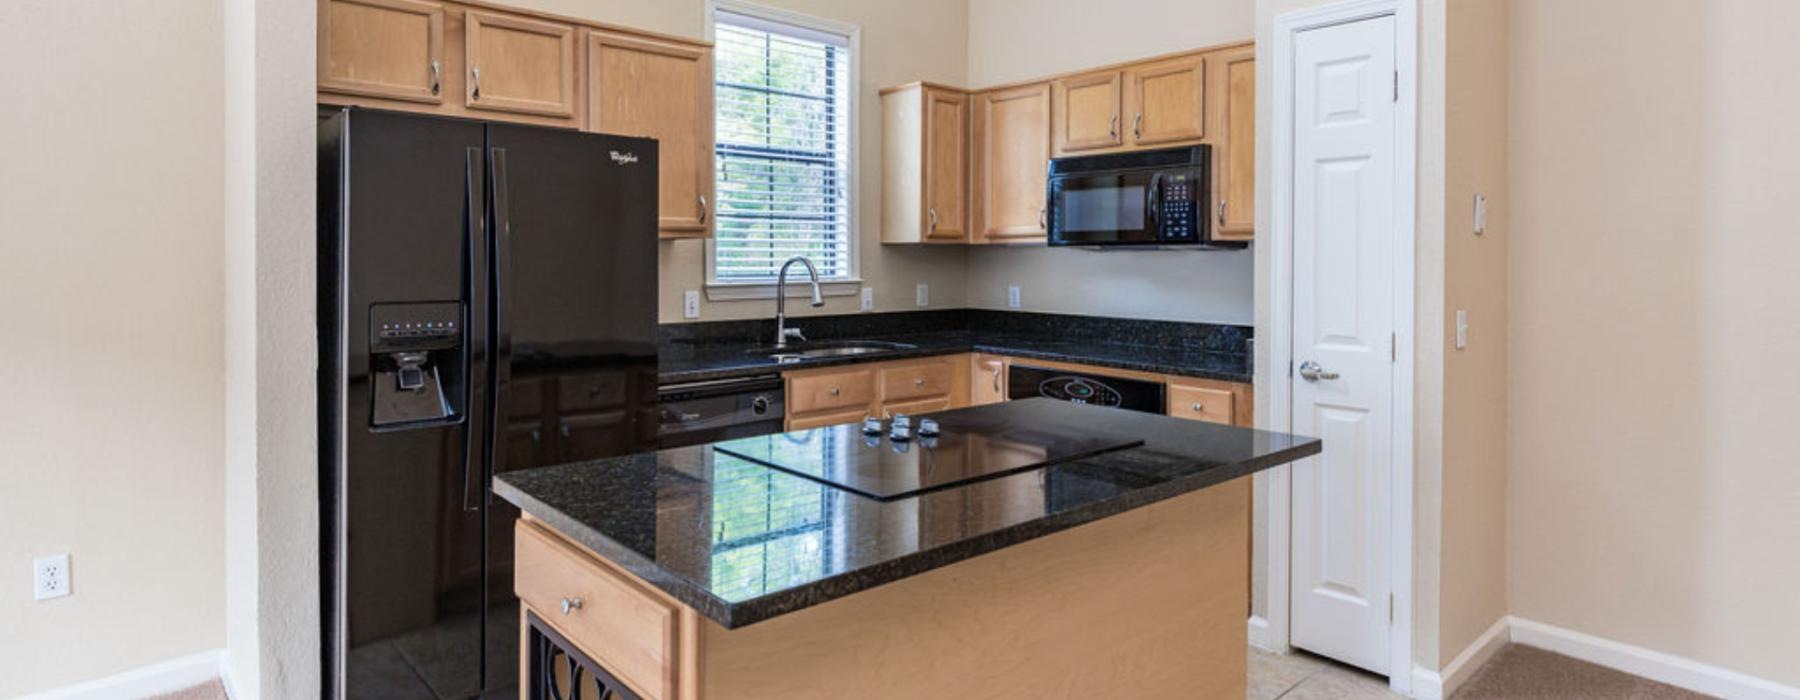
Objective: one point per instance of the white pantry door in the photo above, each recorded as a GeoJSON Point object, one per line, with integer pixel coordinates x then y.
{"type": "Point", "coordinates": [1344, 201]}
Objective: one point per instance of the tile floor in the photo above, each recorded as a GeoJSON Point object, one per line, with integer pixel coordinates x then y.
{"type": "Point", "coordinates": [1515, 672]}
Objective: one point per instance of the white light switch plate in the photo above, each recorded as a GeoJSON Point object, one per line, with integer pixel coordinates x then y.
{"type": "Point", "coordinates": [1012, 297]}
{"type": "Point", "coordinates": [1480, 214]}
{"type": "Point", "coordinates": [868, 299]}
{"type": "Point", "coordinates": [1462, 329]}
{"type": "Point", "coordinates": [924, 294]}
{"type": "Point", "coordinates": [50, 577]}
{"type": "Point", "coordinates": [690, 304]}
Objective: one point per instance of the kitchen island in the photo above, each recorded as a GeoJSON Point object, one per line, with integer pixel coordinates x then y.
{"type": "Point", "coordinates": [761, 568]}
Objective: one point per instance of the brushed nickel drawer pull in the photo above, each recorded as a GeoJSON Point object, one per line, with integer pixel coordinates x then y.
{"type": "Point", "coordinates": [475, 92]}
{"type": "Point", "coordinates": [570, 605]}
{"type": "Point", "coordinates": [1221, 212]}
{"type": "Point", "coordinates": [1112, 128]}
{"type": "Point", "coordinates": [1137, 126]}
{"type": "Point", "coordinates": [435, 82]}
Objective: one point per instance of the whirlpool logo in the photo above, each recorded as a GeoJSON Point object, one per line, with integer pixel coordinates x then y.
{"type": "Point", "coordinates": [623, 158]}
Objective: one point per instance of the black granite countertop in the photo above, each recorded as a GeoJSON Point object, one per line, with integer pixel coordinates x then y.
{"type": "Point", "coordinates": [732, 350]}
{"type": "Point", "coordinates": [742, 543]}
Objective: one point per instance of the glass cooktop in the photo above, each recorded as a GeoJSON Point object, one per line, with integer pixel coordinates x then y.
{"type": "Point", "coordinates": [973, 444]}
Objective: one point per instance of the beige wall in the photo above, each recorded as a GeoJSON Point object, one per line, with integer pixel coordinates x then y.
{"type": "Point", "coordinates": [1012, 40]}
{"type": "Point", "coordinates": [1472, 563]}
{"type": "Point", "coordinates": [111, 261]}
{"type": "Point", "coordinates": [1653, 493]}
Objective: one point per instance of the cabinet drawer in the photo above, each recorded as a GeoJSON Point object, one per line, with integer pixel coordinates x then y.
{"type": "Point", "coordinates": [624, 628]}
{"type": "Point", "coordinates": [814, 420]}
{"type": "Point", "coordinates": [835, 390]}
{"type": "Point", "coordinates": [1201, 403]}
{"type": "Point", "coordinates": [915, 381]}
{"type": "Point", "coordinates": [590, 391]}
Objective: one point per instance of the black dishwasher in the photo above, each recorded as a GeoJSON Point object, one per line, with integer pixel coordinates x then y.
{"type": "Point", "coordinates": [1025, 381]}
{"type": "Point", "coordinates": [697, 413]}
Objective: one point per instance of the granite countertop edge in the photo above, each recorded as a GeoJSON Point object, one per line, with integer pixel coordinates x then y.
{"type": "Point", "coordinates": [703, 371]}
{"type": "Point", "coordinates": [748, 612]}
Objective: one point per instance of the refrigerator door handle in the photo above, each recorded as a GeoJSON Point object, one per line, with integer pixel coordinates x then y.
{"type": "Point", "coordinates": [500, 210]}
{"type": "Point", "coordinates": [478, 387]}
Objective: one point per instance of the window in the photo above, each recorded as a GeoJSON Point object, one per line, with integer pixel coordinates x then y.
{"type": "Point", "coordinates": [782, 90]}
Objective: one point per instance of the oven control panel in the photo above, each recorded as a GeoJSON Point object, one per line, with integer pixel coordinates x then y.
{"type": "Point", "coordinates": [1178, 208]}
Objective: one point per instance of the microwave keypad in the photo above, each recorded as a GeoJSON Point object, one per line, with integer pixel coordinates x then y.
{"type": "Point", "coordinates": [1178, 207]}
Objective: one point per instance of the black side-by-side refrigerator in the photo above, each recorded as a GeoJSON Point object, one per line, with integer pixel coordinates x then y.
{"type": "Point", "coordinates": [487, 302]}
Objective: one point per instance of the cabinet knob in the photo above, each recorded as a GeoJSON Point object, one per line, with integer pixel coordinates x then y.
{"type": "Point", "coordinates": [1198, 408]}
{"type": "Point", "coordinates": [570, 605]}
{"type": "Point", "coordinates": [918, 382]}
{"type": "Point", "coordinates": [836, 391]}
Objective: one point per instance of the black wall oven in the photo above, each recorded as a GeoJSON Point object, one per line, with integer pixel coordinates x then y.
{"type": "Point", "coordinates": [1144, 198]}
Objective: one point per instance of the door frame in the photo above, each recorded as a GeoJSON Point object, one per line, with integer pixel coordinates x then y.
{"type": "Point", "coordinates": [1280, 241]}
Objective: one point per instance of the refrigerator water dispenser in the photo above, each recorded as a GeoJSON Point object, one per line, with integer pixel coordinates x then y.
{"type": "Point", "coordinates": [419, 365]}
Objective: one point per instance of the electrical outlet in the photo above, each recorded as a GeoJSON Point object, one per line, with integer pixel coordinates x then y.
{"type": "Point", "coordinates": [1462, 329]}
{"type": "Point", "coordinates": [868, 299]}
{"type": "Point", "coordinates": [1480, 214]}
{"type": "Point", "coordinates": [690, 304]}
{"type": "Point", "coordinates": [1012, 297]}
{"type": "Point", "coordinates": [50, 577]}
{"type": "Point", "coordinates": [924, 294]}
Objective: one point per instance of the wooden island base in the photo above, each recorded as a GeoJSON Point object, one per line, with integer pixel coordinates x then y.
{"type": "Point", "coordinates": [1145, 604]}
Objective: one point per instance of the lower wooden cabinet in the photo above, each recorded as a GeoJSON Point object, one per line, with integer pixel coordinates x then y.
{"type": "Point", "coordinates": [626, 627]}
{"type": "Point", "coordinates": [987, 379]}
{"type": "Point", "coordinates": [847, 394]}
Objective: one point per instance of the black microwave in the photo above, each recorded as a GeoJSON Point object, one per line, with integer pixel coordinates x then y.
{"type": "Point", "coordinates": [1143, 198]}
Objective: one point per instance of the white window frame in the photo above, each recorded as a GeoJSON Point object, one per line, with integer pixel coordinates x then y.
{"type": "Point", "coordinates": [717, 290]}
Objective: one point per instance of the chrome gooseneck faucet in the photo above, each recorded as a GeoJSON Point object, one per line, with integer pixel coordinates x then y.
{"type": "Point", "coordinates": [782, 332]}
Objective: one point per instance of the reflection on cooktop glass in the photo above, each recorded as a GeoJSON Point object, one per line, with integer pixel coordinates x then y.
{"type": "Point", "coordinates": [972, 445]}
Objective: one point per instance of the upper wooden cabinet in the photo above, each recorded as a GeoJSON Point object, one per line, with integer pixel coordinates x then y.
{"type": "Point", "coordinates": [518, 64]}
{"type": "Point", "coordinates": [1012, 157]}
{"type": "Point", "coordinates": [1085, 111]}
{"type": "Point", "coordinates": [925, 154]}
{"type": "Point", "coordinates": [382, 48]}
{"type": "Point", "coordinates": [1233, 96]}
{"type": "Point", "coordinates": [661, 90]}
{"type": "Point", "coordinates": [1167, 101]}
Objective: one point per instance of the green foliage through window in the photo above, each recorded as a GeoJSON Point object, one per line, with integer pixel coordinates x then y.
{"type": "Point", "coordinates": [782, 153]}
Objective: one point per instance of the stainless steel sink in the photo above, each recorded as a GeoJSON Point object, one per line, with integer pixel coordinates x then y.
{"type": "Point", "coordinates": [819, 351]}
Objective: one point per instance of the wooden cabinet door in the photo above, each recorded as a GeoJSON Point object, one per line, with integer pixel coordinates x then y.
{"type": "Point", "coordinates": [1085, 111]}
{"type": "Point", "coordinates": [519, 65]}
{"type": "Point", "coordinates": [382, 48]}
{"type": "Point", "coordinates": [987, 379]}
{"type": "Point", "coordinates": [946, 165]}
{"type": "Point", "coordinates": [1012, 160]}
{"type": "Point", "coordinates": [915, 407]}
{"type": "Point", "coordinates": [660, 90]}
{"type": "Point", "coordinates": [1168, 101]}
{"type": "Point", "coordinates": [1233, 98]}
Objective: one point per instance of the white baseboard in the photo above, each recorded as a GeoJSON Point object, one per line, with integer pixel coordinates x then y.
{"type": "Point", "coordinates": [1260, 633]}
{"type": "Point", "coordinates": [1437, 685]}
{"type": "Point", "coordinates": [1654, 665]}
{"type": "Point", "coordinates": [155, 679]}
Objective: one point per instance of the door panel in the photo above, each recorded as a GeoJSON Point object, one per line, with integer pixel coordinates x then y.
{"type": "Point", "coordinates": [520, 65]}
{"type": "Point", "coordinates": [382, 48]}
{"type": "Point", "coordinates": [660, 90]}
{"type": "Point", "coordinates": [1086, 111]}
{"type": "Point", "coordinates": [1168, 101]}
{"type": "Point", "coordinates": [1234, 132]}
{"type": "Point", "coordinates": [1344, 198]}
{"type": "Point", "coordinates": [1012, 160]}
{"type": "Point", "coordinates": [946, 165]}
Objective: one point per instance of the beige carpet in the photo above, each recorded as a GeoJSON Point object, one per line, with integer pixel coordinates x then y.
{"type": "Point", "coordinates": [1518, 672]}
{"type": "Point", "coordinates": [210, 690]}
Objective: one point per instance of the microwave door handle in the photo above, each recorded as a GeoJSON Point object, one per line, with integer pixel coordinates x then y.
{"type": "Point", "coordinates": [1153, 205]}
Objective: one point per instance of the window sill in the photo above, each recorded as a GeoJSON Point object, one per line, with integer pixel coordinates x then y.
{"type": "Point", "coordinates": [745, 291]}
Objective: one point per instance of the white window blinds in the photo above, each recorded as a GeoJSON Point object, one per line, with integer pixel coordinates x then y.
{"type": "Point", "coordinates": [783, 148]}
